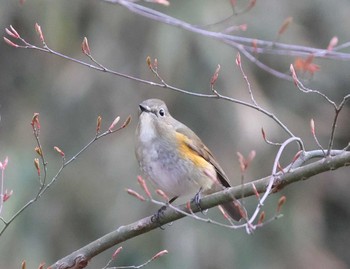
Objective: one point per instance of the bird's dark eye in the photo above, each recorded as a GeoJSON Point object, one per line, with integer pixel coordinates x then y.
{"type": "Point", "coordinates": [161, 112]}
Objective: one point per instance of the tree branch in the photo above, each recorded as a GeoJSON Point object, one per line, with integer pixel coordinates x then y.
{"type": "Point", "coordinates": [80, 258]}
{"type": "Point", "coordinates": [243, 44]}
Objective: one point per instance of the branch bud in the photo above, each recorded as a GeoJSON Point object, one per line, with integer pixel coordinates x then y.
{"type": "Point", "coordinates": [256, 191]}
{"type": "Point", "coordinates": [135, 194]}
{"type": "Point", "coordinates": [98, 124]}
{"type": "Point", "coordinates": [281, 202]}
{"type": "Point", "coordinates": [215, 75]}
{"type": "Point", "coordinates": [4, 164]}
{"type": "Point", "coordinates": [11, 33]}
{"type": "Point", "coordinates": [312, 126]}
{"type": "Point", "coordinates": [37, 165]}
{"type": "Point", "coordinates": [238, 59]}
{"type": "Point", "coordinates": [23, 265]}
{"type": "Point", "coordinates": [160, 254]}
{"type": "Point", "coordinates": [116, 120]}
{"type": "Point", "coordinates": [9, 42]}
{"type": "Point", "coordinates": [162, 194]}
{"type": "Point", "coordinates": [149, 62]}
{"type": "Point", "coordinates": [13, 30]}
{"type": "Point", "coordinates": [126, 122]}
{"type": "Point", "coordinates": [285, 25]}
{"type": "Point", "coordinates": [115, 254]}
{"type": "Point", "coordinates": [85, 47]}
{"type": "Point", "coordinates": [39, 32]}
{"type": "Point", "coordinates": [39, 151]}
{"type": "Point", "coordinates": [332, 43]}
{"type": "Point", "coordinates": [261, 218]}
{"type": "Point", "coordinates": [7, 195]}
{"type": "Point", "coordinates": [59, 151]}
{"type": "Point", "coordinates": [35, 121]}
{"type": "Point", "coordinates": [143, 184]}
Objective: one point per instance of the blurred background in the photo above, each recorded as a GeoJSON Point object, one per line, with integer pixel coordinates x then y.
{"type": "Point", "coordinates": [89, 199]}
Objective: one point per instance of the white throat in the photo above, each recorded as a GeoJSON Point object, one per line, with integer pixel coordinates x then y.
{"type": "Point", "coordinates": [147, 130]}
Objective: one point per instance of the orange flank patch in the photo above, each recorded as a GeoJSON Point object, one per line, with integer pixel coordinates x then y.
{"type": "Point", "coordinates": [188, 153]}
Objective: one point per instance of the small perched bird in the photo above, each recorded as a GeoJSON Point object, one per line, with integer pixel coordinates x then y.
{"type": "Point", "coordinates": [174, 158]}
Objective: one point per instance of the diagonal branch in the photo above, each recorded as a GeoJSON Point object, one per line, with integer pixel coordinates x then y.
{"type": "Point", "coordinates": [249, 44]}
{"type": "Point", "coordinates": [80, 258]}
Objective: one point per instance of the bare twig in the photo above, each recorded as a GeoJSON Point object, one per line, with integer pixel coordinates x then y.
{"type": "Point", "coordinates": [337, 108]}
{"type": "Point", "coordinates": [43, 185]}
{"type": "Point", "coordinates": [98, 66]}
{"type": "Point", "coordinates": [156, 256]}
{"type": "Point", "coordinates": [240, 43]}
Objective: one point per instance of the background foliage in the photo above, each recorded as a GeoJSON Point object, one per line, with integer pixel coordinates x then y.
{"type": "Point", "coordinates": [90, 200]}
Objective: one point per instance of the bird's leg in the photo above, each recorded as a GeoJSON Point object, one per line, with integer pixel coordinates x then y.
{"type": "Point", "coordinates": [156, 217]}
{"type": "Point", "coordinates": [197, 200]}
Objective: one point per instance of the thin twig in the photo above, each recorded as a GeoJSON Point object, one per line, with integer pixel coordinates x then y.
{"type": "Point", "coordinates": [44, 187]}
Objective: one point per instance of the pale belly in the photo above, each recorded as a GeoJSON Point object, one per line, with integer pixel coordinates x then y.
{"type": "Point", "coordinates": [170, 173]}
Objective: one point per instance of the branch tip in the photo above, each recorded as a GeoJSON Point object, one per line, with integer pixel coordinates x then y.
{"type": "Point", "coordinates": [312, 126]}
{"type": "Point", "coordinates": [143, 184]}
{"type": "Point", "coordinates": [160, 254]}
{"type": "Point", "coordinates": [39, 32]}
{"type": "Point", "coordinates": [116, 252]}
{"type": "Point", "coordinates": [215, 75]}
{"type": "Point", "coordinates": [37, 165]}
{"type": "Point", "coordinates": [35, 121]}
{"type": "Point", "coordinates": [126, 122]}
{"type": "Point", "coordinates": [162, 194]}
{"type": "Point", "coordinates": [98, 124]}
{"type": "Point", "coordinates": [9, 42]}
{"type": "Point", "coordinates": [114, 123]}
{"type": "Point", "coordinates": [23, 265]}
{"type": "Point", "coordinates": [261, 218]}
{"type": "Point", "coordinates": [136, 194]}
{"type": "Point", "coordinates": [285, 25]}
{"type": "Point", "coordinates": [238, 59]}
{"type": "Point", "coordinates": [85, 47]}
{"type": "Point", "coordinates": [281, 202]}
{"type": "Point", "coordinates": [39, 151]}
{"type": "Point", "coordinates": [332, 43]}
{"type": "Point", "coordinates": [59, 151]}
{"type": "Point", "coordinates": [13, 30]}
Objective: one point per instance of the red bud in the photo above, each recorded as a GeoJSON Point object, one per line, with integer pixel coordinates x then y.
{"type": "Point", "coordinates": [114, 123]}
{"type": "Point", "coordinates": [39, 32]}
{"type": "Point", "coordinates": [9, 42]}
{"type": "Point", "coordinates": [162, 194]}
{"type": "Point", "coordinates": [115, 254]}
{"type": "Point", "coordinates": [143, 184]}
{"type": "Point", "coordinates": [135, 194]}
{"type": "Point", "coordinates": [85, 47]}
{"type": "Point", "coordinates": [332, 43]}
{"type": "Point", "coordinates": [160, 254]}
{"type": "Point", "coordinates": [59, 151]}
{"type": "Point", "coordinates": [215, 76]}
{"type": "Point", "coordinates": [281, 202]}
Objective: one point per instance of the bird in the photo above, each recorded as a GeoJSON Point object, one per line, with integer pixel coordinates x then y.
{"type": "Point", "coordinates": [175, 160]}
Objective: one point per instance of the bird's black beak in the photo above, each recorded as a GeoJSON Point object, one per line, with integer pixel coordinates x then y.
{"type": "Point", "coordinates": [144, 108]}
